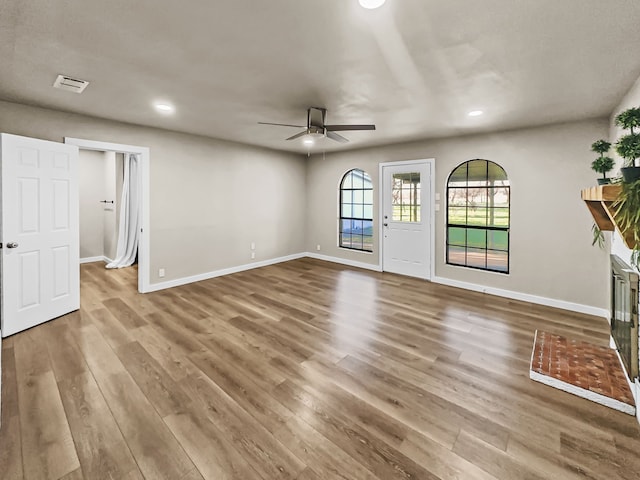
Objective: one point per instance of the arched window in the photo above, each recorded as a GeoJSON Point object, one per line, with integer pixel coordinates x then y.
{"type": "Point", "coordinates": [478, 197]}
{"type": "Point", "coordinates": [356, 211]}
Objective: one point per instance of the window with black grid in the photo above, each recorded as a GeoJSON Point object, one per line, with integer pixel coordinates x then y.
{"type": "Point", "coordinates": [478, 216]}
{"type": "Point", "coordinates": [356, 211]}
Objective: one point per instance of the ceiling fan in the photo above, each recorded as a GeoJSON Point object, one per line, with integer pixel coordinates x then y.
{"type": "Point", "coordinates": [316, 126]}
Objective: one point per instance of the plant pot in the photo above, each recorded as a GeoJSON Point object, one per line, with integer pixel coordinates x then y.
{"type": "Point", "coordinates": [630, 174]}
{"type": "Point", "coordinates": [604, 181]}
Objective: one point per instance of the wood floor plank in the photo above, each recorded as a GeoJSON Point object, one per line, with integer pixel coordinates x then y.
{"type": "Point", "coordinates": [246, 393]}
{"type": "Point", "coordinates": [160, 389]}
{"type": "Point", "coordinates": [75, 475]}
{"type": "Point", "coordinates": [208, 447]}
{"type": "Point", "coordinates": [112, 330]}
{"type": "Point", "coordinates": [155, 449]}
{"type": "Point", "coordinates": [380, 458]}
{"type": "Point", "coordinates": [319, 453]}
{"type": "Point", "coordinates": [66, 359]}
{"type": "Point", "coordinates": [443, 462]}
{"type": "Point", "coordinates": [174, 359]}
{"type": "Point", "coordinates": [11, 448]}
{"type": "Point", "coordinates": [309, 474]}
{"type": "Point", "coordinates": [300, 370]}
{"type": "Point", "coordinates": [9, 382]}
{"type": "Point", "coordinates": [257, 445]}
{"type": "Point", "coordinates": [45, 434]}
{"type": "Point", "coordinates": [175, 332]}
{"type": "Point", "coordinates": [493, 460]}
{"type": "Point", "coordinates": [102, 450]}
{"type": "Point", "coordinates": [124, 313]}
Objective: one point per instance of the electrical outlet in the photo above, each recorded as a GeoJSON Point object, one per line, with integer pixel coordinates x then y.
{"type": "Point", "coordinates": [161, 272]}
{"type": "Point", "coordinates": [253, 245]}
{"type": "Point", "coordinates": [318, 247]}
{"type": "Point", "coordinates": [253, 255]}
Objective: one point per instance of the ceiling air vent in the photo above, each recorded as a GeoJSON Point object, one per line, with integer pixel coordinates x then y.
{"type": "Point", "coordinates": [71, 84]}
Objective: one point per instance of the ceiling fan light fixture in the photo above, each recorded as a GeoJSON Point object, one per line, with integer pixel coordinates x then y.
{"type": "Point", "coordinates": [309, 141]}
{"type": "Point", "coordinates": [371, 4]}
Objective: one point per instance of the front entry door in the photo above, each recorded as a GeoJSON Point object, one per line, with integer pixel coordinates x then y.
{"type": "Point", "coordinates": [406, 219]}
{"type": "Point", "coordinates": [40, 232]}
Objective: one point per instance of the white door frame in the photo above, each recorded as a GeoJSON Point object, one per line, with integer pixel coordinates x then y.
{"type": "Point", "coordinates": [144, 267]}
{"type": "Point", "coordinates": [431, 214]}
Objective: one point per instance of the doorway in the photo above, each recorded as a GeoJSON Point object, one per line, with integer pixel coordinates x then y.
{"type": "Point", "coordinates": [143, 187]}
{"type": "Point", "coordinates": [406, 229]}
{"type": "Point", "coordinates": [100, 189]}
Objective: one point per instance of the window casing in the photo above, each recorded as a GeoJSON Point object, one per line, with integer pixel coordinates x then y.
{"type": "Point", "coordinates": [356, 211]}
{"type": "Point", "coordinates": [478, 216]}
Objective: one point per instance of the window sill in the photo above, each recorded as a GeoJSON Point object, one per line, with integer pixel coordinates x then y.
{"type": "Point", "coordinates": [354, 250]}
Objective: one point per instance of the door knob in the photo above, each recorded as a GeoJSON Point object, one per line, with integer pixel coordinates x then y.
{"type": "Point", "coordinates": [12, 245]}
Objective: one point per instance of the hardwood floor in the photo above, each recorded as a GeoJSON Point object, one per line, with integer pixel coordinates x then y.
{"type": "Point", "coordinates": [303, 370]}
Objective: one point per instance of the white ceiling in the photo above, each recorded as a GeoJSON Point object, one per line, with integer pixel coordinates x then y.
{"type": "Point", "coordinates": [415, 68]}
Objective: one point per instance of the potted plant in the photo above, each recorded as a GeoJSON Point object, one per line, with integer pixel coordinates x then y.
{"type": "Point", "coordinates": [627, 216]}
{"type": "Point", "coordinates": [628, 146]}
{"type": "Point", "coordinates": [602, 164]}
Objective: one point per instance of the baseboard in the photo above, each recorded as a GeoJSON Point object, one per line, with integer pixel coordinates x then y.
{"type": "Point", "coordinates": [344, 261]}
{"type": "Point", "coordinates": [95, 259]}
{"type": "Point", "coordinates": [525, 297]}
{"type": "Point", "coordinates": [154, 287]}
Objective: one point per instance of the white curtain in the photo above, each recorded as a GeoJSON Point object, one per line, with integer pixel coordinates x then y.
{"type": "Point", "coordinates": [129, 228]}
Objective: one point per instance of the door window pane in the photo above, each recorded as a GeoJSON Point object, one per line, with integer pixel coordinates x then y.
{"type": "Point", "coordinates": [405, 197]}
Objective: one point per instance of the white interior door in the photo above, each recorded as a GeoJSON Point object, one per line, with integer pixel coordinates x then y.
{"type": "Point", "coordinates": [40, 232]}
{"type": "Point", "coordinates": [406, 219]}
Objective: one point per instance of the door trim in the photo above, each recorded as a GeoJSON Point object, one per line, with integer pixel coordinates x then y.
{"type": "Point", "coordinates": [431, 214]}
{"type": "Point", "coordinates": [144, 265]}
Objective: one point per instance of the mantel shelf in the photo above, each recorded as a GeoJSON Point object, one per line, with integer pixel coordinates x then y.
{"type": "Point", "coordinates": [599, 201]}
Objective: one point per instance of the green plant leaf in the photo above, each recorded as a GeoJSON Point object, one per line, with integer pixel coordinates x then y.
{"type": "Point", "coordinates": [628, 147]}
{"type": "Point", "coordinates": [629, 119]}
{"type": "Point", "coordinates": [598, 236]}
{"type": "Point", "coordinates": [600, 146]}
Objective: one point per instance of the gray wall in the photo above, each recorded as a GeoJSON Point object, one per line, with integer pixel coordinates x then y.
{"type": "Point", "coordinates": [551, 252]}
{"type": "Point", "coordinates": [91, 190]}
{"type": "Point", "coordinates": [209, 198]}
{"type": "Point", "coordinates": [112, 185]}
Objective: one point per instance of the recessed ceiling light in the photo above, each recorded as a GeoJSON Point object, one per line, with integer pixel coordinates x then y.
{"type": "Point", "coordinates": [164, 107]}
{"type": "Point", "coordinates": [371, 3]}
{"type": "Point", "coordinates": [475, 113]}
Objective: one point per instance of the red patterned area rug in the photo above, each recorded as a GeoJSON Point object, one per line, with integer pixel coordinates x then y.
{"type": "Point", "coordinates": [586, 370]}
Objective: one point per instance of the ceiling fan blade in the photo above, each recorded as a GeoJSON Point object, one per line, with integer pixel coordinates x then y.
{"type": "Point", "coordinates": [337, 137]}
{"type": "Point", "coordinates": [298, 135]}
{"type": "Point", "coordinates": [344, 128]}
{"type": "Point", "coordinates": [280, 124]}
